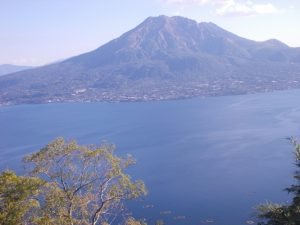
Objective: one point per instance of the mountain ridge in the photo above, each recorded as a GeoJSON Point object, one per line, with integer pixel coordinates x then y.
{"type": "Point", "coordinates": [161, 58]}
{"type": "Point", "coordinates": [9, 68]}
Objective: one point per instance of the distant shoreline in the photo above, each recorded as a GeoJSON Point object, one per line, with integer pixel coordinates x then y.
{"type": "Point", "coordinates": [143, 100]}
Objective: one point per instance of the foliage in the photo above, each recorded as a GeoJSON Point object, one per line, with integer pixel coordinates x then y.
{"type": "Point", "coordinates": [132, 221]}
{"type": "Point", "coordinates": [275, 214]}
{"type": "Point", "coordinates": [69, 184]}
{"type": "Point", "coordinates": [159, 222]}
{"type": "Point", "coordinates": [18, 197]}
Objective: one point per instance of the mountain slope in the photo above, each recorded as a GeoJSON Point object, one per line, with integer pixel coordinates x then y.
{"type": "Point", "coordinates": [162, 58]}
{"type": "Point", "coordinates": [7, 69]}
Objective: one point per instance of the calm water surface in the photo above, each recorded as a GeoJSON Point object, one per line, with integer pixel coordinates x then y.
{"type": "Point", "coordinates": [205, 160]}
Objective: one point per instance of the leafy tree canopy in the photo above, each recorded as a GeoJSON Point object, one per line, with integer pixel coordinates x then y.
{"type": "Point", "coordinates": [18, 197]}
{"type": "Point", "coordinates": [277, 214]}
{"type": "Point", "coordinates": [69, 184]}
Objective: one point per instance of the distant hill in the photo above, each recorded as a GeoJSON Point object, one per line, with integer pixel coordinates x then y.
{"type": "Point", "coordinates": [7, 68]}
{"type": "Point", "coordinates": [162, 58]}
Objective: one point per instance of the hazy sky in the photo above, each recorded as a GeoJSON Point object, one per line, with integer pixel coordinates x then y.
{"type": "Point", "coordinates": [36, 32]}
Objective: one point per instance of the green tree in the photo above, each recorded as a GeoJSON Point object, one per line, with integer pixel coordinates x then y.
{"type": "Point", "coordinates": [132, 221]}
{"type": "Point", "coordinates": [159, 222]}
{"type": "Point", "coordinates": [18, 198]}
{"type": "Point", "coordinates": [277, 214]}
{"type": "Point", "coordinates": [69, 184]}
{"type": "Point", "coordinates": [87, 183]}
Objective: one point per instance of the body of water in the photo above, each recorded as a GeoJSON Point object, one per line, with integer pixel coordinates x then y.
{"type": "Point", "coordinates": [207, 160]}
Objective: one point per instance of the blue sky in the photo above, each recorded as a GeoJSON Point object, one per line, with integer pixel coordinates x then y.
{"type": "Point", "coordinates": [36, 32]}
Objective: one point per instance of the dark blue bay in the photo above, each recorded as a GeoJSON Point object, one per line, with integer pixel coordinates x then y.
{"type": "Point", "coordinates": [205, 159]}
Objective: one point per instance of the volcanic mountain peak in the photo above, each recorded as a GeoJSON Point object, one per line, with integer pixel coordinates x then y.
{"type": "Point", "coordinates": [162, 58]}
{"type": "Point", "coordinates": [173, 33]}
{"type": "Point", "coordinates": [158, 37]}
